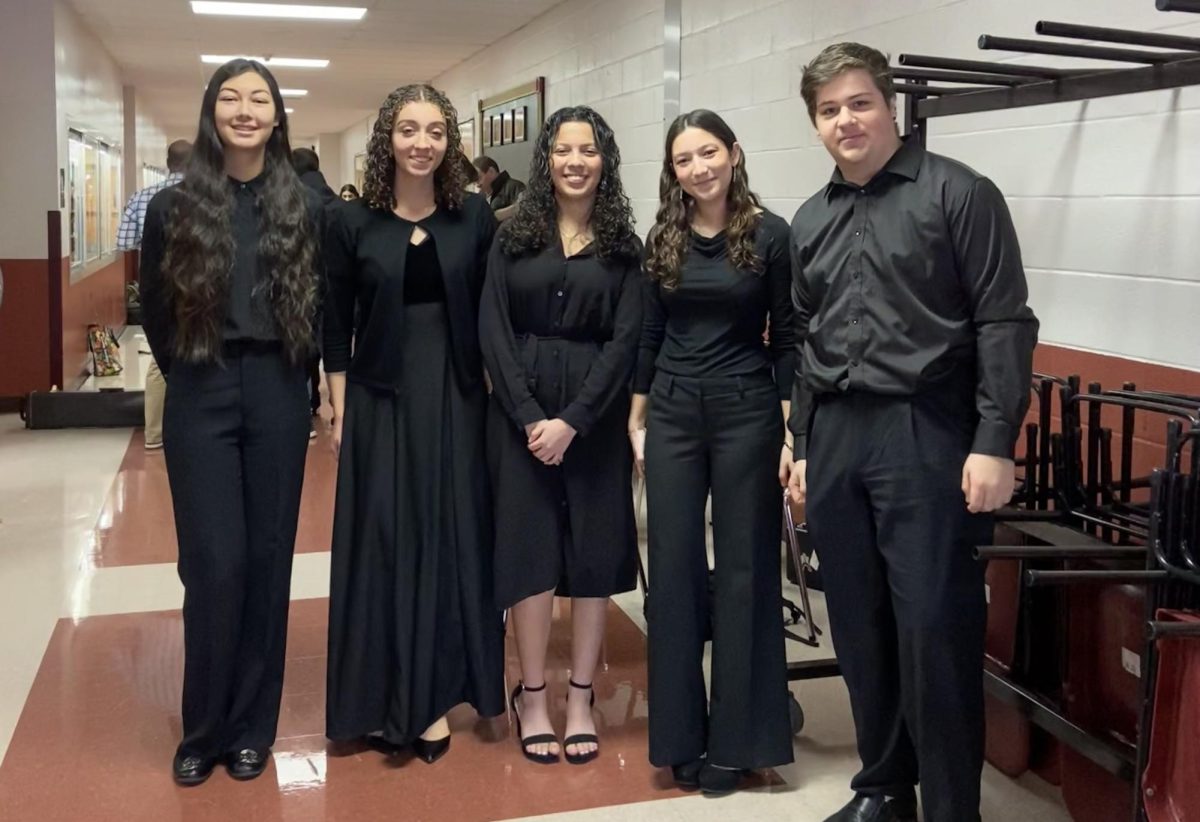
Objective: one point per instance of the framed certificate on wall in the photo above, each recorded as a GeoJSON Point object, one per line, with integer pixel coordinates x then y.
{"type": "Point", "coordinates": [497, 130]}
{"type": "Point", "coordinates": [519, 124]}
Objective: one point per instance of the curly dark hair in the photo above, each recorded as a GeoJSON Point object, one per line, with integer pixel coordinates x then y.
{"type": "Point", "coordinates": [199, 249]}
{"type": "Point", "coordinates": [450, 179]}
{"type": "Point", "coordinates": [668, 240]}
{"type": "Point", "coordinates": [535, 225]}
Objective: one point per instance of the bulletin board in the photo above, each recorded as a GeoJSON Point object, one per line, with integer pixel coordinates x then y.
{"type": "Point", "coordinates": [509, 123]}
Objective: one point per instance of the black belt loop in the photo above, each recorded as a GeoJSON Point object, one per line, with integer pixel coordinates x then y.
{"type": "Point", "coordinates": [741, 388]}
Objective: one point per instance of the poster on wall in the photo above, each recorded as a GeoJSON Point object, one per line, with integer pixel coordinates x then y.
{"type": "Point", "coordinates": [519, 124]}
{"type": "Point", "coordinates": [466, 131]}
{"type": "Point", "coordinates": [497, 130]}
{"type": "Point", "coordinates": [508, 126]}
{"type": "Point", "coordinates": [486, 131]}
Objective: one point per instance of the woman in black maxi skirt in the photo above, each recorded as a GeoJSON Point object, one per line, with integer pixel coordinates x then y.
{"type": "Point", "coordinates": [559, 326]}
{"type": "Point", "coordinates": [413, 628]}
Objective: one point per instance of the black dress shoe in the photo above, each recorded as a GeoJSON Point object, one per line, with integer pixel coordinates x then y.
{"type": "Point", "coordinates": [687, 775]}
{"type": "Point", "coordinates": [192, 770]}
{"type": "Point", "coordinates": [715, 781]}
{"type": "Point", "coordinates": [246, 763]}
{"type": "Point", "coordinates": [879, 808]}
{"type": "Point", "coordinates": [430, 750]}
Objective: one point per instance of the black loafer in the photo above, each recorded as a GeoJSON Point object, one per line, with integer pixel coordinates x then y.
{"type": "Point", "coordinates": [715, 781]}
{"type": "Point", "coordinates": [247, 763]}
{"type": "Point", "coordinates": [430, 750]}
{"type": "Point", "coordinates": [687, 775]}
{"type": "Point", "coordinates": [192, 770]}
{"type": "Point", "coordinates": [879, 808]}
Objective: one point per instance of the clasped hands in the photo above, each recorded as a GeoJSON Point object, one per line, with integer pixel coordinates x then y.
{"type": "Point", "coordinates": [549, 440]}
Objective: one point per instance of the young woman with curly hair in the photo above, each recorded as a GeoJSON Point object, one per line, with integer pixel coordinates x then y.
{"type": "Point", "coordinates": [710, 400]}
{"type": "Point", "coordinates": [413, 628]}
{"type": "Point", "coordinates": [559, 324]}
{"type": "Point", "coordinates": [230, 275]}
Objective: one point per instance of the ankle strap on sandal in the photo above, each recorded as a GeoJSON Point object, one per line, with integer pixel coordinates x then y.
{"type": "Point", "coordinates": [575, 684]}
{"type": "Point", "coordinates": [525, 687]}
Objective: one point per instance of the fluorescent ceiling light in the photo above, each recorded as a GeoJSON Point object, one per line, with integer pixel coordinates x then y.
{"type": "Point", "coordinates": [289, 111]}
{"type": "Point", "coordinates": [293, 92]}
{"type": "Point", "coordinates": [279, 10]}
{"type": "Point", "coordinates": [269, 62]}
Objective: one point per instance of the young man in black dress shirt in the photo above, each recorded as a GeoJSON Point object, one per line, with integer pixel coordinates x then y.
{"type": "Point", "coordinates": [915, 347]}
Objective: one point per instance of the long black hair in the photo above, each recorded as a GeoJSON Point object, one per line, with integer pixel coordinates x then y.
{"type": "Point", "coordinates": [451, 178]}
{"type": "Point", "coordinates": [535, 225]}
{"type": "Point", "coordinates": [199, 237]}
{"type": "Point", "coordinates": [668, 241]}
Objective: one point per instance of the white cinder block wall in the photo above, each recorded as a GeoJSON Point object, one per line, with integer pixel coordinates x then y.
{"type": "Point", "coordinates": [1105, 193]}
{"type": "Point", "coordinates": [605, 54]}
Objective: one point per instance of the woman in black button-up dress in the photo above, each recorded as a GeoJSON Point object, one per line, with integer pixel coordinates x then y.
{"type": "Point", "coordinates": [559, 326]}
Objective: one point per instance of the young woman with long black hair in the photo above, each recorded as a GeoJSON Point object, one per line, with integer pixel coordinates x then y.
{"type": "Point", "coordinates": [413, 628]}
{"type": "Point", "coordinates": [717, 398]}
{"type": "Point", "coordinates": [230, 275]}
{"type": "Point", "coordinates": [559, 323]}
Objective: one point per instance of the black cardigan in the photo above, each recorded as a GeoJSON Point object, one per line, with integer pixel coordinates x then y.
{"type": "Point", "coordinates": [365, 252]}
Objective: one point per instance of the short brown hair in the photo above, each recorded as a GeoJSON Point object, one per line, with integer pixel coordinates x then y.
{"type": "Point", "coordinates": [839, 58]}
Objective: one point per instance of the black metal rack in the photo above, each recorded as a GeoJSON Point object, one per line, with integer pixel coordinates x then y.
{"type": "Point", "coordinates": [1090, 509]}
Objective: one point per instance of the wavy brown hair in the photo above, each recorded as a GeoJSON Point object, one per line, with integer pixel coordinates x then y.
{"type": "Point", "coordinates": [199, 237]}
{"type": "Point", "coordinates": [450, 179]}
{"type": "Point", "coordinates": [668, 240]}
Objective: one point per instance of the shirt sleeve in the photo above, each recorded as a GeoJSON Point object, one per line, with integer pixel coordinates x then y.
{"type": "Point", "coordinates": [654, 329]}
{"type": "Point", "coordinates": [128, 238]}
{"type": "Point", "coordinates": [157, 315]}
{"type": "Point", "coordinates": [498, 344]}
{"type": "Point", "coordinates": [782, 325]}
{"type": "Point", "coordinates": [989, 260]}
{"type": "Point", "coordinates": [802, 397]}
{"type": "Point", "coordinates": [338, 315]}
{"type": "Point", "coordinates": [609, 375]}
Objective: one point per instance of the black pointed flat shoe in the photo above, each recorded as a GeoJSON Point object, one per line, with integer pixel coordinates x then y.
{"type": "Point", "coordinates": [431, 750]}
{"type": "Point", "coordinates": [536, 739]}
{"type": "Point", "coordinates": [717, 781]}
{"type": "Point", "coordinates": [687, 775]}
{"type": "Point", "coordinates": [247, 763]}
{"type": "Point", "coordinates": [192, 770]}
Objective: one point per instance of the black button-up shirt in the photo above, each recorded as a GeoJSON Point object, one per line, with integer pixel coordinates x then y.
{"type": "Point", "coordinates": [912, 285]}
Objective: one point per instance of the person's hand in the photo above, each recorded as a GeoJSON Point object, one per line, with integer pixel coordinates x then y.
{"type": "Point", "coordinates": [987, 482]}
{"type": "Point", "coordinates": [529, 429]}
{"type": "Point", "coordinates": [797, 482]}
{"type": "Point", "coordinates": [785, 465]}
{"type": "Point", "coordinates": [637, 440]}
{"type": "Point", "coordinates": [335, 436]}
{"type": "Point", "coordinates": [550, 439]}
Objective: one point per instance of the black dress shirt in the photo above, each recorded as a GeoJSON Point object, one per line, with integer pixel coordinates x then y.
{"type": "Point", "coordinates": [560, 334]}
{"type": "Point", "coordinates": [249, 314]}
{"type": "Point", "coordinates": [712, 323]}
{"type": "Point", "coordinates": [913, 285]}
{"type": "Point", "coordinates": [366, 259]}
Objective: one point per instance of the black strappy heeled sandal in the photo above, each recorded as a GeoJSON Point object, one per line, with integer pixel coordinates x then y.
{"type": "Point", "coordinates": [536, 739]}
{"type": "Point", "coordinates": [581, 739]}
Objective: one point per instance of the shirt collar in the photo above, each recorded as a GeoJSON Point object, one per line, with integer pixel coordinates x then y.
{"type": "Point", "coordinates": [255, 185]}
{"type": "Point", "coordinates": [906, 163]}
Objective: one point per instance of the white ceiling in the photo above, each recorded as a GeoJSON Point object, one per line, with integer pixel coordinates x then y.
{"type": "Point", "coordinates": [158, 44]}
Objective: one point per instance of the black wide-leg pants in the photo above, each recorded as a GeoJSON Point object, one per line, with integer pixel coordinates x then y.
{"type": "Point", "coordinates": [888, 518]}
{"type": "Point", "coordinates": [724, 435]}
{"type": "Point", "coordinates": [235, 436]}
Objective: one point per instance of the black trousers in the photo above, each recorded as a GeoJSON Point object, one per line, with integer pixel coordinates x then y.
{"type": "Point", "coordinates": [236, 437]}
{"type": "Point", "coordinates": [724, 435]}
{"type": "Point", "coordinates": [314, 384]}
{"type": "Point", "coordinates": [887, 516]}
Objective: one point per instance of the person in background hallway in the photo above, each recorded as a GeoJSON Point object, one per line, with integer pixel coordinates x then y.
{"type": "Point", "coordinates": [230, 291]}
{"type": "Point", "coordinates": [308, 167]}
{"type": "Point", "coordinates": [710, 399]}
{"type": "Point", "coordinates": [909, 434]}
{"type": "Point", "coordinates": [129, 238]}
{"type": "Point", "coordinates": [348, 192]}
{"type": "Point", "coordinates": [501, 190]}
{"type": "Point", "coordinates": [559, 324]}
{"type": "Point", "coordinates": [413, 628]}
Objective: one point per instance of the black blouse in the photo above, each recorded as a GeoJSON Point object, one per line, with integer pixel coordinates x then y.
{"type": "Point", "coordinates": [366, 255]}
{"type": "Point", "coordinates": [249, 314]}
{"type": "Point", "coordinates": [422, 275]}
{"type": "Point", "coordinates": [712, 323]}
{"type": "Point", "coordinates": [560, 334]}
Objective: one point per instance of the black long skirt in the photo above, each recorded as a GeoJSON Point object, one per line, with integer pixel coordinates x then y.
{"type": "Point", "coordinates": [413, 628]}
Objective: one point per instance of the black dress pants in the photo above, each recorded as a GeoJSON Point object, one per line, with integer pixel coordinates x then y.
{"type": "Point", "coordinates": [235, 436]}
{"type": "Point", "coordinates": [887, 516]}
{"type": "Point", "coordinates": [724, 435]}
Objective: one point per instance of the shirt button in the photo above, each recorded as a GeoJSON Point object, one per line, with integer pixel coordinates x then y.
{"type": "Point", "coordinates": [854, 322]}
{"type": "Point", "coordinates": [560, 293]}
{"type": "Point", "coordinates": [857, 233]}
